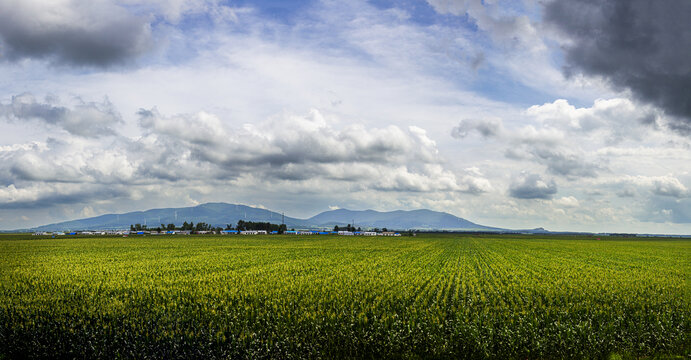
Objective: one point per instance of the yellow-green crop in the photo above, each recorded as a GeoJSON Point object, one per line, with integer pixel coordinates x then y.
{"type": "Point", "coordinates": [430, 296]}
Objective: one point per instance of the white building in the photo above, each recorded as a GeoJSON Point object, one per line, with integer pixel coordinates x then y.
{"type": "Point", "coordinates": [253, 232]}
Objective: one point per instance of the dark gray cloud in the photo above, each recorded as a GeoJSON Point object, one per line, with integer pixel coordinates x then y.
{"type": "Point", "coordinates": [485, 127]}
{"type": "Point", "coordinates": [88, 119]}
{"type": "Point", "coordinates": [531, 186]}
{"type": "Point", "coordinates": [78, 32]}
{"type": "Point", "coordinates": [640, 45]}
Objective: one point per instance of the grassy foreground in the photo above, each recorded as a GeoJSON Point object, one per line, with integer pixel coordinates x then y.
{"type": "Point", "coordinates": [434, 296]}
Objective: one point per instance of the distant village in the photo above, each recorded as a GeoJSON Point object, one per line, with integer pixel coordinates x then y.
{"type": "Point", "coordinates": [242, 228]}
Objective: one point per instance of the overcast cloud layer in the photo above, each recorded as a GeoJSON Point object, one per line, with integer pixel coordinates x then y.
{"type": "Point", "coordinates": [572, 115]}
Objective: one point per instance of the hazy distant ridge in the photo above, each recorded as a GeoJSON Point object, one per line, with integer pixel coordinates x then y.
{"type": "Point", "coordinates": [220, 214]}
{"type": "Point", "coordinates": [399, 219]}
{"type": "Point", "coordinates": [216, 214]}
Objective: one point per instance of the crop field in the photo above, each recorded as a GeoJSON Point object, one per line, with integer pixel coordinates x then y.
{"type": "Point", "coordinates": [431, 296]}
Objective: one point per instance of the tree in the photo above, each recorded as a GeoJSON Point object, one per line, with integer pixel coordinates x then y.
{"type": "Point", "coordinates": [251, 225]}
{"type": "Point", "coordinates": [336, 228]}
{"type": "Point", "coordinates": [170, 227]}
{"type": "Point", "coordinates": [384, 230]}
{"type": "Point", "coordinates": [202, 226]}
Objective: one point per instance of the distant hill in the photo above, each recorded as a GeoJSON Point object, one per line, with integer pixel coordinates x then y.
{"type": "Point", "coordinates": [215, 214]}
{"type": "Point", "coordinates": [221, 214]}
{"type": "Point", "coordinates": [400, 219]}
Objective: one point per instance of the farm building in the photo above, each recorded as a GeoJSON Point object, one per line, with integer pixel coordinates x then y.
{"type": "Point", "coordinates": [253, 232]}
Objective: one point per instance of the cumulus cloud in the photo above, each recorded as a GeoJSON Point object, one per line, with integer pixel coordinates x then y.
{"type": "Point", "coordinates": [669, 186]}
{"type": "Point", "coordinates": [618, 118]}
{"type": "Point", "coordinates": [545, 145]}
{"type": "Point", "coordinates": [279, 144]}
{"type": "Point", "coordinates": [71, 161]}
{"type": "Point", "coordinates": [87, 119]}
{"type": "Point", "coordinates": [531, 186]}
{"type": "Point", "coordinates": [199, 128]}
{"type": "Point", "coordinates": [638, 45]}
{"type": "Point", "coordinates": [201, 148]}
{"type": "Point", "coordinates": [579, 142]}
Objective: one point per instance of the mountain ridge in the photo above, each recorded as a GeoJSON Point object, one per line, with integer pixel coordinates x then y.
{"type": "Point", "coordinates": [221, 214]}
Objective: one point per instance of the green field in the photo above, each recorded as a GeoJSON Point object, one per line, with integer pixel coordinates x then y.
{"type": "Point", "coordinates": [430, 296]}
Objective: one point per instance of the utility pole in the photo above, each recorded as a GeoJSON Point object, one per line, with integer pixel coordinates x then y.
{"type": "Point", "coordinates": [283, 218]}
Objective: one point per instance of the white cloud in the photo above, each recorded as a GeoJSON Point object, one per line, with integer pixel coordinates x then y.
{"type": "Point", "coordinates": [620, 118]}
{"type": "Point", "coordinates": [567, 201]}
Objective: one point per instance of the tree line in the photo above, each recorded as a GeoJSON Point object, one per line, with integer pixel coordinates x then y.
{"type": "Point", "coordinates": [252, 225]}
{"type": "Point", "coordinates": [202, 226]}
{"type": "Point", "coordinates": [191, 226]}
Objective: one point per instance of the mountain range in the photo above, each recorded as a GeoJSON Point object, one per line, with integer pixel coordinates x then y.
{"type": "Point", "coordinates": [221, 214]}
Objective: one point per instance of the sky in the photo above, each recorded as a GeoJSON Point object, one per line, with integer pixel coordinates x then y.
{"type": "Point", "coordinates": [572, 115]}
